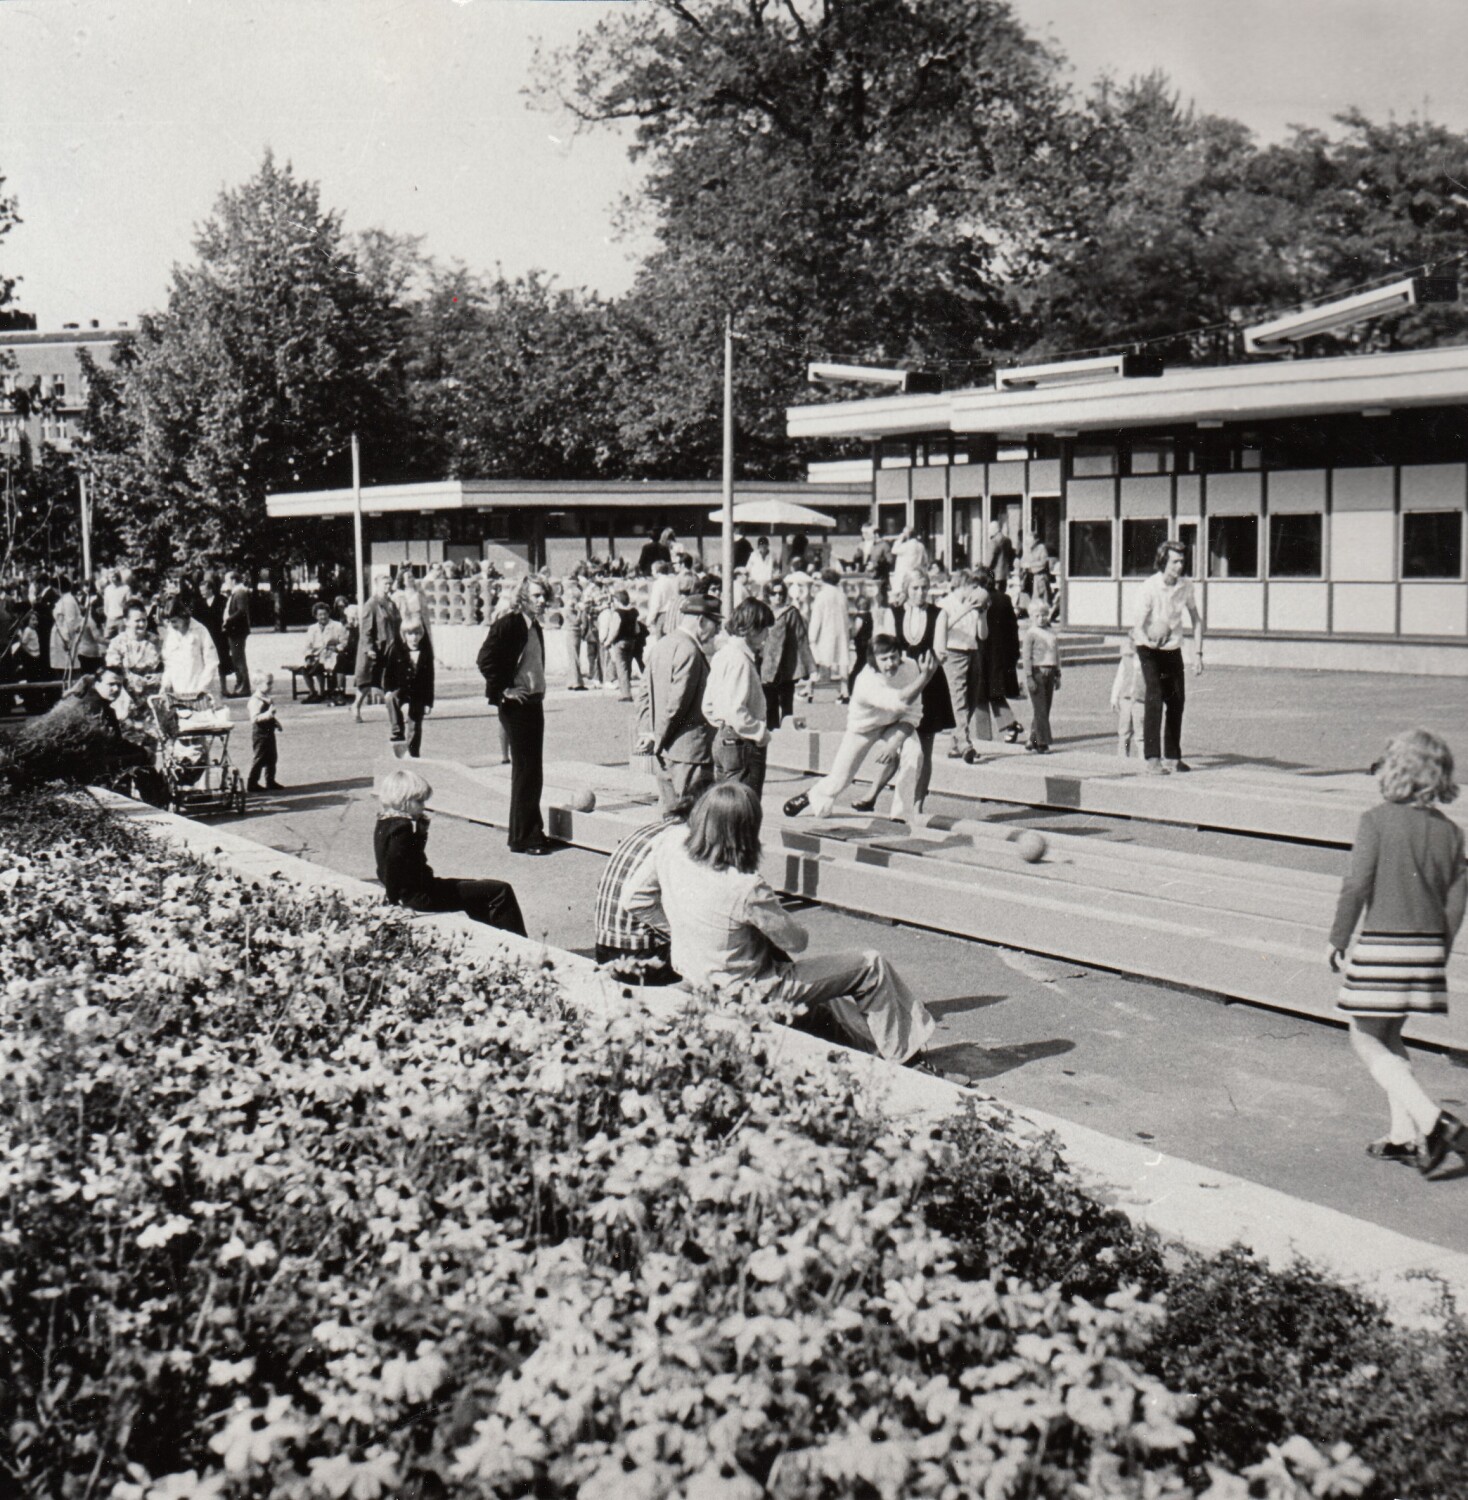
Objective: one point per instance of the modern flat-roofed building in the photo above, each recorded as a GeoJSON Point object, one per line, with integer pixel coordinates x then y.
{"type": "Point", "coordinates": [1322, 501]}
{"type": "Point", "coordinates": [534, 523]}
{"type": "Point", "coordinates": [48, 365]}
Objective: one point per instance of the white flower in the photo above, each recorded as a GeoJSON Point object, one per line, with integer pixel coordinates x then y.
{"type": "Point", "coordinates": [157, 1235]}
{"type": "Point", "coordinates": [413, 1380]}
{"type": "Point", "coordinates": [230, 1372]}
{"type": "Point", "coordinates": [189, 1486]}
{"type": "Point", "coordinates": [342, 1479]}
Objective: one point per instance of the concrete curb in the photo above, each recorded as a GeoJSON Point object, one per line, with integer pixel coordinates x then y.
{"type": "Point", "coordinates": [1181, 1200]}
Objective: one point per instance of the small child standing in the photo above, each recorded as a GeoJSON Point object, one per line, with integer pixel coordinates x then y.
{"type": "Point", "coordinates": [264, 726]}
{"type": "Point", "coordinates": [1129, 699]}
{"type": "Point", "coordinates": [1041, 655]}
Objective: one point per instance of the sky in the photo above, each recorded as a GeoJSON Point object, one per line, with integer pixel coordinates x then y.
{"type": "Point", "coordinates": [121, 120]}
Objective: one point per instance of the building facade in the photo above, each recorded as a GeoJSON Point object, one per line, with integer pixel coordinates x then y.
{"type": "Point", "coordinates": [43, 386]}
{"type": "Point", "coordinates": [1321, 501]}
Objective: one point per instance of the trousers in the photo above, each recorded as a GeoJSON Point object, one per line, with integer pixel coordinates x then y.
{"type": "Point", "coordinates": [1162, 671]}
{"type": "Point", "coordinates": [779, 703]}
{"type": "Point", "coordinates": [866, 995]}
{"type": "Point", "coordinates": [237, 663]}
{"type": "Point", "coordinates": [850, 754]}
{"type": "Point", "coordinates": [963, 670]}
{"type": "Point", "coordinates": [491, 902]}
{"type": "Point", "coordinates": [524, 727]}
{"type": "Point", "coordinates": [399, 730]}
{"type": "Point", "coordinates": [680, 779]}
{"type": "Point", "coordinates": [1042, 694]}
{"type": "Point", "coordinates": [739, 760]}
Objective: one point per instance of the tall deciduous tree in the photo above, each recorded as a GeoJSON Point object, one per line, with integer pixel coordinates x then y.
{"type": "Point", "coordinates": [842, 174]}
{"type": "Point", "coordinates": [274, 347]}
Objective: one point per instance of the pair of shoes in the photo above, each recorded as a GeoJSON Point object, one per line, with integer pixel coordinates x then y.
{"type": "Point", "coordinates": [1177, 765]}
{"type": "Point", "coordinates": [970, 757]}
{"type": "Point", "coordinates": [541, 847]}
{"type": "Point", "coordinates": [1037, 749]}
{"type": "Point", "coordinates": [843, 697]}
{"type": "Point", "coordinates": [313, 698]}
{"type": "Point", "coordinates": [1448, 1133]}
{"type": "Point", "coordinates": [274, 786]}
{"type": "Point", "coordinates": [1012, 734]}
{"type": "Point", "coordinates": [1387, 1149]}
{"type": "Point", "coordinates": [1154, 768]}
{"type": "Point", "coordinates": [577, 687]}
{"type": "Point", "coordinates": [797, 805]}
{"type": "Point", "coordinates": [867, 804]}
{"type": "Point", "coordinates": [956, 754]}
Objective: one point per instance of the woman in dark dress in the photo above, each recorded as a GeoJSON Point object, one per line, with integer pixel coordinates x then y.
{"type": "Point", "coordinates": [400, 841]}
{"type": "Point", "coordinates": [1001, 665]}
{"type": "Point", "coordinates": [920, 628]}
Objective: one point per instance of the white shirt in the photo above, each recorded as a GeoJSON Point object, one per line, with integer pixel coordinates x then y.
{"type": "Point", "coordinates": [410, 606]}
{"type": "Point", "coordinates": [190, 662]}
{"type": "Point", "coordinates": [877, 702]}
{"type": "Point", "coordinates": [967, 619]}
{"type": "Point", "coordinates": [114, 600]}
{"type": "Point", "coordinates": [760, 568]}
{"type": "Point", "coordinates": [721, 922]}
{"type": "Point", "coordinates": [908, 555]}
{"type": "Point", "coordinates": [1160, 608]}
{"type": "Point", "coordinates": [734, 695]}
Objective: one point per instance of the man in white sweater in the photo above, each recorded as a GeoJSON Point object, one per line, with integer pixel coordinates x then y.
{"type": "Point", "coordinates": [734, 698]}
{"type": "Point", "coordinates": [886, 708]}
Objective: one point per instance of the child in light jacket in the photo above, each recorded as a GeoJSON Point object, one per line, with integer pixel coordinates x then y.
{"type": "Point", "coordinates": [1129, 700]}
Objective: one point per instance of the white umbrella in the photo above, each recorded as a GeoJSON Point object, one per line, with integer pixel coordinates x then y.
{"type": "Point", "coordinates": [775, 513]}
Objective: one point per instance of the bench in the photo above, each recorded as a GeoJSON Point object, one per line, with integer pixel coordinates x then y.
{"type": "Point", "coordinates": [336, 680]}
{"type": "Point", "coordinates": [35, 697]}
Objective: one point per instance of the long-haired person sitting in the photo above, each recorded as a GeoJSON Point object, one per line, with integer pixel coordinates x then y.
{"type": "Point", "coordinates": [400, 842]}
{"type": "Point", "coordinates": [729, 930]}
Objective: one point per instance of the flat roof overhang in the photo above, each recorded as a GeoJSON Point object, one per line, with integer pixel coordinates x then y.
{"type": "Point", "coordinates": [513, 494]}
{"type": "Point", "coordinates": [1231, 393]}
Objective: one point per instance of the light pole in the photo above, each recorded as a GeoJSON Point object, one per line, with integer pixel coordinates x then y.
{"type": "Point", "coordinates": [357, 522]}
{"type": "Point", "coordinates": [728, 518]}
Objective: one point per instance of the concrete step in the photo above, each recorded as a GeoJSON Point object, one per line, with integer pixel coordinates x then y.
{"type": "Point", "coordinates": [1248, 932]}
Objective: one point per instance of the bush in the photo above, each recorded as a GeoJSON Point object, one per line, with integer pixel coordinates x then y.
{"type": "Point", "coordinates": [292, 1203]}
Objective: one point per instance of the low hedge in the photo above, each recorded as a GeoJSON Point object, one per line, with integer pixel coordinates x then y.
{"type": "Point", "coordinates": [293, 1203]}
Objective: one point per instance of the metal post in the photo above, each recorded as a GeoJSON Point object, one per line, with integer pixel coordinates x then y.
{"type": "Point", "coordinates": [728, 518]}
{"type": "Point", "coordinates": [81, 480]}
{"type": "Point", "coordinates": [357, 522]}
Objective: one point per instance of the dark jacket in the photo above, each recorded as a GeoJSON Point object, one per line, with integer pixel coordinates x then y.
{"type": "Point", "coordinates": [652, 551]}
{"type": "Point", "coordinates": [400, 845]}
{"type": "Point", "coordinates": [414, 687]}
{"type": "Point", "coordinates": [237, 613]}
{"type": "Point", "coordinates": [787, 655]}
{"type": "Point", "coordinates": [1001, 650]}
{"type": "Point", "coordinates": [379, 628]}
{"type": "Point", "coordinates": [499, 656]}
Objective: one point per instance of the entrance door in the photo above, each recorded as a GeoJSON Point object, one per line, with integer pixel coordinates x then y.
{"type": "Point", "coordinates": [1045, 518]}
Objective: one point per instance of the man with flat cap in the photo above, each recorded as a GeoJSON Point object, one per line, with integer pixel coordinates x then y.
{"type": "Point", "coordinates": [670, 722]}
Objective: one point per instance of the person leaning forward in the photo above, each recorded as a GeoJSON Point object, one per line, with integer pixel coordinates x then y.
{"type": "Point", "coordinates": [671, 725]}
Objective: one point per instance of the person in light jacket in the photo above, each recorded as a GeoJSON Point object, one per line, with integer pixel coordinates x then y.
{"type": "Point", "coordinates": [734, 700]}
{"type": "Point", "coordinates": [190, 662]}
{"type": "Point", "coordinates": [670, 721]}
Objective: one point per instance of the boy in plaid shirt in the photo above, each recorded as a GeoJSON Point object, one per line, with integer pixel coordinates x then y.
{"type": "Point", "coordinates": [633, 949]}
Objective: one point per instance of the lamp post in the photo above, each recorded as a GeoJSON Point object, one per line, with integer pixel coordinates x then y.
{"type": "Point", "coordinates": [728, 518]}
{"type": "Point", "coordinates": [357, 521]}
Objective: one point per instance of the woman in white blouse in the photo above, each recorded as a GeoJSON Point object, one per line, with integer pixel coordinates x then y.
{"type": "Point", "coordinates": [190, 662]}
{"type": "Point", "coordinates": [729, 930]}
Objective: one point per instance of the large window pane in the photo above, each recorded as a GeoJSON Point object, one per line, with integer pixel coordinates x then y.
{"type": "Point", "coordinates": [1432, 544]}
{"type": "Point", "coordinates": [1233, 547]}
{"type": "Point", "coordinates": [1139, 543]}
{"type": "Point", "coordinates": [1090, 549]}
{"type": "Point", "coordinates": [1295, 546]}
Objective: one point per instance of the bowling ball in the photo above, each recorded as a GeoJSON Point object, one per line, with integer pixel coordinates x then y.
{"type": "Point", "coordinates": [1031, 847]}
{"type": "Point", "coordinates": [583, 799]}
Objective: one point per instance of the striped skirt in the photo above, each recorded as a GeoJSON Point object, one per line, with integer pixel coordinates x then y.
{"type": "Point", "coordinates": [1395, 974]}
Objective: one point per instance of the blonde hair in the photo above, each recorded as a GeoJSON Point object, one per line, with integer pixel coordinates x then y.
{"type": "Point", "coordinates": [1417, 768]}
{"type": "Point", "coordinates": [401, 794]}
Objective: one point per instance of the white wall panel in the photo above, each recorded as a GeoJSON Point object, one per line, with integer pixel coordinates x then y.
{"type": "Point", "coordinates": [1363, 545]}
{"type": "Point", "coordinates": [1433, 486]}
{"type": "Point", "coordinates": [1435, 609]}
{"type": "Point", "coordinates": [1090, 602]}
{"type": "Point", "coordinates": [1298, 606]}
{"type": "Point", "coordinates": [1365, 609]}
{"type": "Point", "coordinates": [1297, 490]}
{"type": "Point", "coordinates": [1234, 606]}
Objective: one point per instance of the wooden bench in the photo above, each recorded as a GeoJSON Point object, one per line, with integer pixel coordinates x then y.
{"type": "Point", "coordinates": [336, 680]}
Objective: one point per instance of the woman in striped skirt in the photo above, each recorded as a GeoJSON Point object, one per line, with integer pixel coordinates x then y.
{"type": "Point", "coordinates": [1408, 878]}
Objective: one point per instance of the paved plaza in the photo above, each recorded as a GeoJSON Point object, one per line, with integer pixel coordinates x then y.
{"type": "Point", "coordinates": [1238, 1089]}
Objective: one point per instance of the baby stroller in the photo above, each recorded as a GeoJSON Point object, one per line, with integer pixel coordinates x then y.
{"type": "Point", "coordinates": [193, 756]}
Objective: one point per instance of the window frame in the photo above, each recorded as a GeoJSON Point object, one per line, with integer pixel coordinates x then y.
{"type": "Point", "coordinates": [1208, 559]}
{"type": "Point", "coordinates": [1297, 515]}
{"type": "Point", "coordinates": [1150, 565]}
{"type": "Point", "coordinates": [1071, 571]}
{"type": "Point", "coordinates": [1403, 574]}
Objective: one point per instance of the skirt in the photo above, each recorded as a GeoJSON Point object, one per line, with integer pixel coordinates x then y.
{"type": "Point", "coordinates": [1395, 974]}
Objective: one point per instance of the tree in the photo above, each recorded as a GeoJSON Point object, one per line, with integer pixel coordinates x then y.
{"type": "Point", "coordinates": [274, 347]}
{"type": "Point", "coordinates": [9, 218]}
{"type": "Point", "coordinates": [844, 175]}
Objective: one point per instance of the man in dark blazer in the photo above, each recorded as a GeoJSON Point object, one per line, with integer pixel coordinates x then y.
{"type": "Point", "coordinates": [512, 663]}
{"type": "Point", "coordinates": [670, 722]}
{"type": "Point", "coordinates": [407, 682]}
{"type": "Point", "coordinates": [236, 632]}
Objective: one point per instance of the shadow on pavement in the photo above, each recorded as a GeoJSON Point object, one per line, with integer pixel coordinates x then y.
{"type": "Point", "coordinates": [962, 1004]}
{"type": "Point", "coordinates": [989, 1062]}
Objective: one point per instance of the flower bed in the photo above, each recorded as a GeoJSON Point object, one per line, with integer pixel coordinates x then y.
{"type": "Point", "coordinates": [292, 1203]}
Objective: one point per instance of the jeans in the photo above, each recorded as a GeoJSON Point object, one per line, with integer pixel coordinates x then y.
{"type": "Point", "coordinates": [1042, 692]}
{"type": "Point", "coordinates": [617, 659]}
{"type": "Point", "coordinates": [524, 726]}
{"type": "Point", "coordinates": [1162, 671]}
{"type": "Point", "coordinates": [739, 760]}
{"type": "Point", "coordinates": [779, 703]}
{"type": "Point", "coordinates": [397, 731]}
{"type": "Point", "coordinates": [866, 995]}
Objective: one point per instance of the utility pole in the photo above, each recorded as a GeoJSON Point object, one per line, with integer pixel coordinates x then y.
{"type": "Point", "coordinates": [728, 464]}
{"type": "Point", "coordinates": [81, 480]}
{"type": "Point", "coordinates": [357, 521]}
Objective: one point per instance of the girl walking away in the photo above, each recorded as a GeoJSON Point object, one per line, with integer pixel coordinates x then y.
{"type": "Point", "coordinates": [1408, 877]}
{"type": "Point", "coordinates": [729, 930]}
{"type": "Point", "coordinates": [1042, 674]}
{"type": "Point", "coordinates": [400, 843]}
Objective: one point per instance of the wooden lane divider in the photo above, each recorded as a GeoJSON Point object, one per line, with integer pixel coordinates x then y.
{"type": "Point", "coordinates": [1274, 962]}
{"type": "Point", "coordinates": [1322, 810]}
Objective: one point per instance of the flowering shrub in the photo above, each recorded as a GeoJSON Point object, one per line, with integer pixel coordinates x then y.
{"type": "Point", "coordinates": [294, 1203]}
